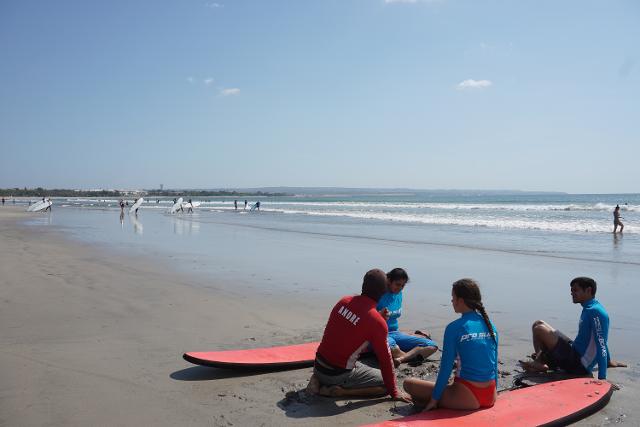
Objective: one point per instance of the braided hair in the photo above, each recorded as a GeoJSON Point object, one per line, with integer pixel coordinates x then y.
{"type": "Point", "coordinates": [469, 291]}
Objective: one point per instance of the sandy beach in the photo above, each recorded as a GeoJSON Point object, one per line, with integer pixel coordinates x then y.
{"type": "Point", "coordinates": [91, 336]}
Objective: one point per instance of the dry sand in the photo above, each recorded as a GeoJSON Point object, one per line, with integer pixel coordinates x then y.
{"type": "Point", "coordinates": [92, 338]}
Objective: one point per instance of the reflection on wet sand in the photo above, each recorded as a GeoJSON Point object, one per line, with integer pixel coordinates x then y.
{"type": "Point", "coordinates": [137, 225]}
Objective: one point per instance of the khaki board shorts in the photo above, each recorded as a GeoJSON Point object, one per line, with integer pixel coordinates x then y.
{"type": "Point", "coordinates": [361, 376]}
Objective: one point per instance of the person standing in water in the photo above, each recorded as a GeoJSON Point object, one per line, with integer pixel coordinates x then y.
{"type": "Point", "coordinates": [121, 206]}
{"type": "Point", "coordinates": [245, 205]}
{"type": "Point", "coordinates": [235, 204]}
{"type": "Point", "coordinates": [190, 207]}
{"type": "Point", "coordinates": [616, 219]}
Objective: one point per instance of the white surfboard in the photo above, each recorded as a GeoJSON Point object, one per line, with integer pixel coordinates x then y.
{"type": "Point", "coordinates": [33, 206]}
{"type": "Point", "coordinates": [136, 205]}
{"type": "Point", "coordinates": [192, 205]}
{"type": "Point", "coordinates": [43, 205]}
{"type": "Point", "coordinates": [176, 206]}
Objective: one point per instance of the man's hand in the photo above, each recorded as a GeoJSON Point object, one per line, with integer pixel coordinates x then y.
{"type": "Point", "coordinates": [433, 404]}
{"type": "Point", "coordinates": [385, 313]}
{"type": "Point", "coordinates": [403, 397]}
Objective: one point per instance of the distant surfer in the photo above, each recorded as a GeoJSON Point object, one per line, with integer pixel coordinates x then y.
{"type": "Point", "coordinates": [257, 205]}
{"type": "Point", "coordinates": [136, 211]}
{"type": "Point", "coordinates": [472, 340]}
{"type": "Point", "coordinates": [48, 208]}
{"type": "Point", "coordinates": [121, 206]}
{"type": "Point", "coordinates": [245, 205]}
{"type": "Point", "coordinates": [3, 201]}
{"type": "Point", "coordinates": [616, 219]}
{"type": "Point", "coordinates": [404, 347]}
{"type": "Point", "coordinates": [555, 350]}
{"type": "Point", "coordinates": [235, 204]}
{"type": "Point", "coordinates": [190, 207]}
{"type": "Point", "coordinates": [354, 324]}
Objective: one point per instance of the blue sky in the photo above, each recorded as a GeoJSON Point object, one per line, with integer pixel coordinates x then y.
{"type": "Point", "coordinates": [440, 94]}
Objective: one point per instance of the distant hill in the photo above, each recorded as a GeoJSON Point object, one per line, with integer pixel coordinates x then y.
{"type": "Point", "coordinates": [393, 191]}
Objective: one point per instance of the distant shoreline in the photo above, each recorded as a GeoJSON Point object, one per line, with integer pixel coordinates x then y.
{"type": "Point", "coordinates": [43, 192]}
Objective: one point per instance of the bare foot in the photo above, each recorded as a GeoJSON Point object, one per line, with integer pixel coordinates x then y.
{"type": "Point", "coordinates": [424, 334]}
{"type": "Point", "coordinates": [331, 391]}
{"type": "Point", "coordinates": [396, 362]}
{"type": "Point", "coordinates": [617, 364]}
{"type": "Point", "coordinates": [533, 366]}
{"type": "Point", "coordinates": [314, 385]}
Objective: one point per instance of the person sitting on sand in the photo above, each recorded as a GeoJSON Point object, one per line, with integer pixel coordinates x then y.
{"type": "Point", "coordinates": [404, 347]}
{"type": "Point", "coordinates": [616, 220]}
{"type": "Point", "coordinates": [473, 341]}
{"type": "Point", "coordinates": [552, 349]}
{"type": "Point", "coordinates": [353, 324]}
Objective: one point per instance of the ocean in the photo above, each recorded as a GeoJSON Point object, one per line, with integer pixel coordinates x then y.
{"type": "Point", "coordinates": [557, 225]}
{"type": "Point", "coordinates": [523, 248]}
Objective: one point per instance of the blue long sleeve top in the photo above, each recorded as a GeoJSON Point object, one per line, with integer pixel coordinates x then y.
{"type": "Point", "coordinates": [468, 341]}
{"type": "Point", "coordinates": [593, 333]}
{"type": "Point", "coordinates": [393, 302]}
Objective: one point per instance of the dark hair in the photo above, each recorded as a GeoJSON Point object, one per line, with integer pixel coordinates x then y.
{"type": "Point", "coordinates": [584, 283]}
{"type": "Point", "coordinates": [397, 274]}
{"type": "Point", "coordinates": [374, 284]}
{"type": "Point", "coordinates": [469, 291]}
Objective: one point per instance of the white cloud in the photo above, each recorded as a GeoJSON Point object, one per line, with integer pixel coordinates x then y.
{"type": "Point", "coordinates": [208, 81]}
{"type": "Point", "coordinates": [214, 5]}
{"type": "Point", "coordinates": [474, 84]}
{"type": "Point", "coordinates": [190, 79]}
{"type": "Point", "coordinates": [230, 91]}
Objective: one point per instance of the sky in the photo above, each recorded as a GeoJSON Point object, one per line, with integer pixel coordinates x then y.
{"type": "Point", "coordinates": [537, 95]}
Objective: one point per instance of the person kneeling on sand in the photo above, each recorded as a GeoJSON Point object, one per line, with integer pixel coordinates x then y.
{"type": "Point", "coordinates": [354, 324]}
{"type": "Point", "coordinates": [404, 347]}
{"type": "Point", "coordinates": [473, 341]}
{"type": "Point", "coordinates": [552, 349]}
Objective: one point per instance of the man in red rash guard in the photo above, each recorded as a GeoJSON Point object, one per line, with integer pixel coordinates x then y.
{"type": "Point", "coordinates": [353, 325]}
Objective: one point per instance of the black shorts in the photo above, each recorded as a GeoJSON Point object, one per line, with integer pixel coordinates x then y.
{"type": "Point", "coordinates": [565, 357]}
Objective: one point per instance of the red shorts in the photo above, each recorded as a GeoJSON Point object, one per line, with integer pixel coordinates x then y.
{"type": "Point", "coordinates": [484, 395]}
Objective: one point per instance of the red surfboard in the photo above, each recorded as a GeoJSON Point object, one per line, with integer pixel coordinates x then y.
{"type": "Point", "coordinates": [557, 403]}
{"type": "Point", "coordinates": [289, 356]}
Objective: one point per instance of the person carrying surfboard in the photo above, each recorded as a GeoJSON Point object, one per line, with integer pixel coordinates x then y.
{"type": "Point", "coordinates": [553, 349]}
{"type": "Point", "coordinates": [354, 324]}
{"type": "Point", "coordinates": [472, 340]}
{"type": "Point", "coordinates": [404, 347]}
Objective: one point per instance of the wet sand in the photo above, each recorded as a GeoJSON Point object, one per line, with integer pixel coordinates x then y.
{"type": "Point", "coordinates": [89, 336]}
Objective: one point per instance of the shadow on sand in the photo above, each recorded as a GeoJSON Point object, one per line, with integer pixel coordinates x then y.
{"type": "Point", "coordinates": [299, 404]}
{"type": "Point", "coordinates": [206, 373]}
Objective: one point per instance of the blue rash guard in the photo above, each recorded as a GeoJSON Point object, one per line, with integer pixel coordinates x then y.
{"type": "Point", "coordinates": [468, 341]}
{"type": "Point", "coordinates": [593, 333]}
{"type": "Point", "coordinates": [393, 302]}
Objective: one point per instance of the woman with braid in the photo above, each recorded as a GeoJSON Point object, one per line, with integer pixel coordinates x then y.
{"type": "Point", "coordinates": [472, 342]}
